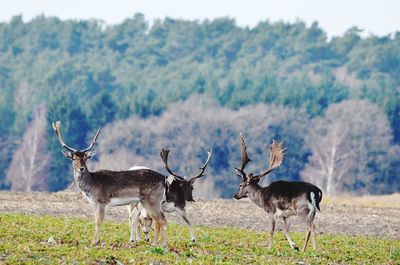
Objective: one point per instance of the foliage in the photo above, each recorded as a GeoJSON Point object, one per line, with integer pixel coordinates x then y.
{"type": "Point", "coordinates": [88, 74]}
{"type": "Point", "coordinates": [48, 240]}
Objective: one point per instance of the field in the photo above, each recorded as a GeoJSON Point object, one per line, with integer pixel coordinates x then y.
{"type": "Point", "coordinates": [52, 228]}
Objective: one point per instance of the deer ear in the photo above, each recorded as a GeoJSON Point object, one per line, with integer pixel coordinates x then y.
{"type": "Point", "coordinates": [67, 154]}
{"type": "Point", "coordinates": [90, 154]}
{"type": "Point", "coordinates": [170, 179]}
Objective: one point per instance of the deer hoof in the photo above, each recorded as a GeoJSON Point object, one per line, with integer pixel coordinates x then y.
{"type": "Point", "coordinates": [296, 248]}
{"type": "Point", "coordinates": [193, 240]}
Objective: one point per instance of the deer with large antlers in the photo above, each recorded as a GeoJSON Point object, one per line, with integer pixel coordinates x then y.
{"type": "Point", "coordinates": [106, 188]}
{"type": "Point", "coordinates": [280, 198]}
{"type": "Point", "coordinates": [179, 191]}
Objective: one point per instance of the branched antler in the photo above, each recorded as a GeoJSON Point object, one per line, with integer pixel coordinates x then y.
{"type": "Point", "coordinates": [245, 158]}
{"type": "Point", "coordinates": [276, 155]}
{"type": "Point", "coordinates": [93, 141]}
{"type": "Point", "coordinates": [203, 168]}
{"type": "Point", "coordinates": [56, 127]}
{"type": "Point", "coordinates": [164, 155]}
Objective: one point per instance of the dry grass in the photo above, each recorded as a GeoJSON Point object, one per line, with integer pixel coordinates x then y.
{"type": "Point", "coordinates": [386, 201]}
{"type": "Point", "coordinates": [362, 216]}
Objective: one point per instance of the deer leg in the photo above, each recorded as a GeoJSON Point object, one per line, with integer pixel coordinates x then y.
{"type": "Point", "coordinates": [163, 229]}
{"type": "Point", "coordinates": [183, 214]}
{"type": "Point", "coordinates": [286, 230]}
{"type": "Point", "coordinates": [160, 222]}
{"type": "Point", "coordinates": [271, 230]}
{"type": "Point", "coordinates": [314, 245]}
{"type": "Point", "coordinates": [310, 229]}
{"type": "Point", "coordinates": [308, 233]}
{"type": "Point", "coordinates": [136, 226]}
{"type": "Point", "coordinates": [133, 222]}
{"type": "Point", "coordinates": [98, 219]}
{"type": "Point", "coordinates": [156, 232]}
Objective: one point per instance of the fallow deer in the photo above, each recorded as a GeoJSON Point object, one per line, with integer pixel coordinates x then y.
{"type": "Point", "coordinates": [106, 188]}
{"type": "Point", "coordinates": [179, 190]}
{"type": "Point", "coordinates": [280, 198]}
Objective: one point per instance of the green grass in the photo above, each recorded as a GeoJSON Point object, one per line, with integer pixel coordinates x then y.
{"type": "Point", "coordinates": [24, 240]}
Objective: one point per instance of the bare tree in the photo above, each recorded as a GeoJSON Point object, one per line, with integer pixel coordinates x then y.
{"type": "Point", "coordinates": [348, 145]}
{"type": "Point", "coordinates": [331, 158]}
{"type": "Point", "coordinates": [29, 163]}
{"type": "Point", "coordinates": [198, 124]}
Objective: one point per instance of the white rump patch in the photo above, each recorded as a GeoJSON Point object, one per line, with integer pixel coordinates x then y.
{"type": "Point", "coordinates": [123, 201]}
{"type": "Point", "coordinates": [138, 167]}
{"type": "Point", "coordinates": [312, 206]}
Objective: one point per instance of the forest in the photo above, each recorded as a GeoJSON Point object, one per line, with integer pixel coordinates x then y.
{"type": "Point", "coordinates": [194, 86]}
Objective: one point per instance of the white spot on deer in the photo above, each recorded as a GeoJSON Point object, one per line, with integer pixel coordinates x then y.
{"type": "Point", "coordinates": [123, 201]}
{"type": "Point", "coordinates": [138, 167]}
{"type": "Point", "coordinates": [284, 213]}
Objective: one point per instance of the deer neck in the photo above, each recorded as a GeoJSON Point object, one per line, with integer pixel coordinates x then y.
{"type": "Point", "coordinates": [82, 179]}
{"type": "Point", "coordinates": [254, 194]}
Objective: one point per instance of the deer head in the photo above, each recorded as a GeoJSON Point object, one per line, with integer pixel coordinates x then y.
{"type": "Point", "coordinates": [277, 154]}
{"type": "Point", "coordinates": [78, 157]}
{"type": "Point", "coordinates": [185, 185]}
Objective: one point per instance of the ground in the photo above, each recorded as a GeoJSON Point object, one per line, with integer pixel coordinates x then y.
{"type": "Point", "coordinates": [362, 216]}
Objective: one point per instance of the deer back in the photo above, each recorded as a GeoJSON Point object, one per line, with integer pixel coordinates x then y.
{"type": "Point", "coordinates": [284, 194]}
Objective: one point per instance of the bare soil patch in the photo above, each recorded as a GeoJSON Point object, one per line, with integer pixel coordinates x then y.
{"type": "Point", "coordinates": [343, 216]}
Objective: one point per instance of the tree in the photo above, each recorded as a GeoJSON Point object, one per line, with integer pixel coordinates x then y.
{"type": "Point", "coordinates": [196, 125]}
{"type": "Point", "coordinates": [331, 158]}
{"type": "Point", "coordinates": [30, 161]}
{"type": "Point", "coordinates": [350, 146]}
{"type": "Point", "coordinates": [89, 75]}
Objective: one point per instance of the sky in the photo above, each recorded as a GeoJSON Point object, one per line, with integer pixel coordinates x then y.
{"type": "Point", "coordinates": [378, 17]}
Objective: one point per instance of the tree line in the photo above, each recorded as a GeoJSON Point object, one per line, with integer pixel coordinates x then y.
{"type": "Point", "coordinates": [194, 85]}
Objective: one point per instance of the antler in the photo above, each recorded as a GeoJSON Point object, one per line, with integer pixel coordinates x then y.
{"type": "Point", "coordinates": [56, 127]}
{"type": "Point", "coordinates": [203, 168]}
{"type": "Point", "coordinates": [164, 155]}
{"type": "Point", "coordinates": [276, 155]}
{"type": "Point", "coordinates": [93, 141]}
{"type": "Point", "coordinates": [245, 158]}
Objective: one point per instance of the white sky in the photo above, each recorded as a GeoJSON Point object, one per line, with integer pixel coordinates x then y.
{"type": "Point", "coordinates": [379, 17]}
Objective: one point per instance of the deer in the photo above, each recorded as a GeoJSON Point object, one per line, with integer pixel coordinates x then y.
{"type": "Point", "coordinates": [106, 188]}
{"type": "Point", "coordinates": [281, 198]}
{"type": "Point", "coordinates": [179, 190]}
{"type": "Point", "coordinates": [139, 219]}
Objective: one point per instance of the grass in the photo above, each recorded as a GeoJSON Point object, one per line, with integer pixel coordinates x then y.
{"type": "Point", "coordinates": [29, 239]}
